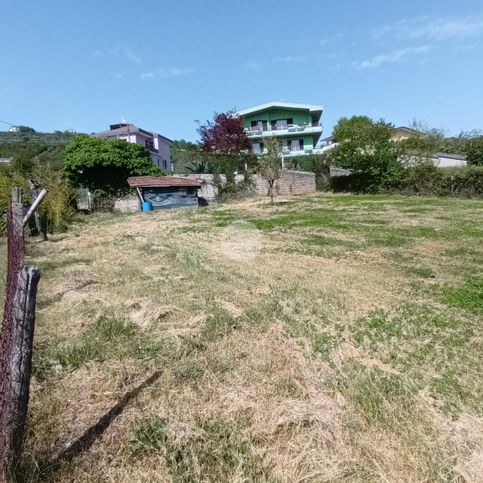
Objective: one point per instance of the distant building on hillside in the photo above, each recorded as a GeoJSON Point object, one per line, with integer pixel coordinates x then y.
{"type": "Point", "coordinates": [296, 126]}
{"type": "Point", "coordinates": [5, 160]}
{"type": "Point", "coordinates": [159, 147]}
{"type": "Point", "coordinates": [403, 132]}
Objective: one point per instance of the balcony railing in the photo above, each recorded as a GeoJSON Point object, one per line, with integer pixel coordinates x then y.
{"type": "Point", "coordinates": [291, 128]}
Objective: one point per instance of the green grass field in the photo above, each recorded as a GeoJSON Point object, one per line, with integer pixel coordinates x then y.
{"type": "Point", "coordinates": [321, 338]}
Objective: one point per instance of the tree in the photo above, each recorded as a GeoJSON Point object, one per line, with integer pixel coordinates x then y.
{"type": "Point", "coordinates": [269, 165]}
{"type": "Point", "coordinates": [365, 147]}
{"type": "Point", "coordinates": [474, 151]}
{"type": "Point", "coordinates": [23, 162]}
{"type": "Point", "coordinates": [225, 134]}
{"type": "Point", "coordinates": [185, 155]}
{"type": "Point", "coordinates": [99, 164]}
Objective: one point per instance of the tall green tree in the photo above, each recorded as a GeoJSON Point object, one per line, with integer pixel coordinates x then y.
{"type": "Point", "coordinates": [474, 151]}
{"type": "Point", "coordinates": [99, 164]}
{"type": "Point", "coordinates": [365, 147]}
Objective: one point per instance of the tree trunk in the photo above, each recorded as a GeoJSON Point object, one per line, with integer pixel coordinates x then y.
{"type": "Point", "coordinates": [270, 190]}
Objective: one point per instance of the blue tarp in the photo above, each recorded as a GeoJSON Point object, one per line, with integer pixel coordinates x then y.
{"type": "Point", "coordinates": [171, 197]}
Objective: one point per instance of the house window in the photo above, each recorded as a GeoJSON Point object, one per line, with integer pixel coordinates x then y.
{"type": "Point", "coordinates": [149, 144]}
{"type": "Point", "coordinates": [280, 124]}
{"type": "Point", "coordinates": [258, 125]}
{"type": "Point", "coordinates": [295, 144]}
{"type": "Point", "coordinates": [165, 164]}
{"type": "Point", "coordinates": [257, 148]}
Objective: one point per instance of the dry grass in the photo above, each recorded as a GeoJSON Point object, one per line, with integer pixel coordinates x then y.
{"type": "Point", "coordinates": [332, 338]}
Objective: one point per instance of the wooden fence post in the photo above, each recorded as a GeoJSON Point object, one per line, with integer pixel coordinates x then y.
{"type": "Point", "coordinates": [16, 338]}
{"type": "Point", "coordinates": [21, 357]}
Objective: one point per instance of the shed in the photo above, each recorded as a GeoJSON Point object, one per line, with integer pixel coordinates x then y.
{"type": "Point", "coordinates": [166, 192]}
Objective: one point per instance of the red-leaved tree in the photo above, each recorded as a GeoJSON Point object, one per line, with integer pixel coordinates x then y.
{"type": "Point", "coordinates": [225, 134]}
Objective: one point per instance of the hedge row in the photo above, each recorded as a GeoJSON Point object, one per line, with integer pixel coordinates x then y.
{"type": "Point", "coordinates": [424, 179]}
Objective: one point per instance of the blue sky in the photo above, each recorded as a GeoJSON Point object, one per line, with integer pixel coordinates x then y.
{"type": "Point", "coordinates": [162, 65]}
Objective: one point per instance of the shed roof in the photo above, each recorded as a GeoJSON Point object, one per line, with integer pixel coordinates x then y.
{"type": "Point", "coordinates": [451, 156]}
{"type": "Point", "coordinates": [161, 181]}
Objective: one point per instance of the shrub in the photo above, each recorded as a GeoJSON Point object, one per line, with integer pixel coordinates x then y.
{"type": "Point", "coordinates": [99, 164]}
{"type": "Point", "coordinates": [8, 179]}
{"type": "Point", "coordinates": [57, 205]}
{"type": "Point", "coordinates": [423, 179]}
{"type": "Point", "coordinates": [426, 179]}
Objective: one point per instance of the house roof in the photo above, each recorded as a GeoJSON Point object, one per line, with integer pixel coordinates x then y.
{"type": "Point", "coordinates": [450, 156]}
{"type": "Point", "coordinates": [128, 128]}
{"type": "Point", "coordinates": [161, 181]}
{"type": "Point", "coordinates": [408, 130]}
{"type": "Point", "coordinates": [284, 105]}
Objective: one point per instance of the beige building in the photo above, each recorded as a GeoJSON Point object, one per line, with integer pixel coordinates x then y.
{"type": "Point", "coordinates": [159, 147]}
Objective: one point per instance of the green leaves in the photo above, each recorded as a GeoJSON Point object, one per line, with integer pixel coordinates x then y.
{"type": "Point", "coordinates": [105, 165]}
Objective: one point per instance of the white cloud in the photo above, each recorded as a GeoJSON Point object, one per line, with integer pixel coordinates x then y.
{"type": "Point", "coordinates": [129, 54]}
{"type": "Point", "coordinates": [147, 75]}
{"type": "Point", "coordinates": [167, 73]}
{"type": "Point", "coordinates": [400, 55]}
{"type": "Point", "coordinates": [290, 59]}
{"type": "Point", "coordinates": [433, 29]}
{"type": "Point", "coordinates": [252, 66]}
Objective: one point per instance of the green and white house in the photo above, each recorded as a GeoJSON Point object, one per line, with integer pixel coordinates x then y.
{"type": "Point", "coordinates": [296, 126]}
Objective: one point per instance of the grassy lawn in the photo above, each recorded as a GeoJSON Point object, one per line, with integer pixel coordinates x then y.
{"type": "Point", "coordinates": [323, 338]}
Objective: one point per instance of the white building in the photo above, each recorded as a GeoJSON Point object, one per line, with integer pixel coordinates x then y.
{"type": "Point", "coordinates": [159, 147]}
{"type": "Point", "coordinates": [447, 160]}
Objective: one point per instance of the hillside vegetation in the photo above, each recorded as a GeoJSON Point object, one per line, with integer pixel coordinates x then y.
{"type": "Point", "coordinates": [323, 338]}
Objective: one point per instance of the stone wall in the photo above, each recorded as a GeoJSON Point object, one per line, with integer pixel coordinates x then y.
{"type": "Point", "coordinates": [129, 204]}
{"type": "Point", "coordinates": [290, 183]}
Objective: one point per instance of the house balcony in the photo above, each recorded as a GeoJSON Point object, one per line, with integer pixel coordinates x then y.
{"type": "Point", "coordinates": [297, 152]}
{"type": "Point", "coordinates": [309, 128]}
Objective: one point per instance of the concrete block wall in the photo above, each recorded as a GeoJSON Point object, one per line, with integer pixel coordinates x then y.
{"type": "Point", "coordinates": [290, 183]}
{"type": "Point", "coordinates": [129, 204]}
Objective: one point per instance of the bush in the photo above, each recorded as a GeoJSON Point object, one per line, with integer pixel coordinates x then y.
{"type": "Point", "coordinates": [423, 179]}
{"type": "Point", "coordinates": [105, 165]}
{"type": "Point", "coordinates": [57, 207]}
{"type": "Point", "coordinates": [426, 179]}
{"type": "Point", "coordinates": [8, 179]}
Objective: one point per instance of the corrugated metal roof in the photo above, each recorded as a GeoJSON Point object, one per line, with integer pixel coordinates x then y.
{"type": "Point", "coordinates": [451, 156]}
{"type": "Point", "coordinates": [162, 181]}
